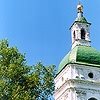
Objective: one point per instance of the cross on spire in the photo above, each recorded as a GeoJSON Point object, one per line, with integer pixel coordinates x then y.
{"type": "Point", "coordinates": [79, 2]}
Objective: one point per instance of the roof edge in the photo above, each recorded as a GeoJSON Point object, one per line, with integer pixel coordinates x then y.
{"type": "Point", "coordinates": [79, 63]}
{"type": "Point", "coordinates": [79, 22]}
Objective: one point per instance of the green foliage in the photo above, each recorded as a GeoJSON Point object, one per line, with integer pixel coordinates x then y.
{"type": "Point", "coordinates": [18, 81]}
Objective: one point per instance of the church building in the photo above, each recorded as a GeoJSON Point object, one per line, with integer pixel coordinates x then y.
{"type": "Point", "coordinates": [78, 76]}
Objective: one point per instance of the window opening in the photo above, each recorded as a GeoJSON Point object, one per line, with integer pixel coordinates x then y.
{"type": "Point", "coordinates": [90, 75]}
{"type": "Point", "coordinates": [74, 37]}
{"type": "Point", "coordinates": [92, 99]}
{"type": "Point", "coordinates": [82, 34]}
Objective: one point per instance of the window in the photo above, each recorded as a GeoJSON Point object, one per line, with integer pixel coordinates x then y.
{"type": "Point", "coordinates": [74, 37]}
{"type": "Point", "coordinates": [82, 34]}
{"type": "Point", "coordinates": [90, 75]}
{"type": "Point", "coordinates": [92, 99]}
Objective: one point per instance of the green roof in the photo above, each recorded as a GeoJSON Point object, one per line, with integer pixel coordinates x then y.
{"type": "Point", "coordinates": [81, 19]}
{"type": "Point", "coordinates": [82, 55]}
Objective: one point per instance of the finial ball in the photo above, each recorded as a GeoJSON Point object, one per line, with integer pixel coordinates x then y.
{"type": "Point", "coordinates": [79, 7]}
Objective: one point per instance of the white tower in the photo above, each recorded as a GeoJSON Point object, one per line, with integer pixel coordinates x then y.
{"type": "Point", "coordinates": [78, 76]}
{"type": "Point", "coordinates": [80, 29]}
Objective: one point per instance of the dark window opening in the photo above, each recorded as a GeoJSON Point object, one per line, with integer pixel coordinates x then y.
{"type": "Point", "coordinates": [92, 99]}
{"type": "Point", "coordinates": [90, 75]}
{"type": "Point", "coordinates": [82, 34]}
{"type": "Point", "coordinates": [74, 37]}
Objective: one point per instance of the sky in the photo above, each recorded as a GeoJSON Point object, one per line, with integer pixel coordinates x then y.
{"type": "Point", "coordinates": [40, 28]}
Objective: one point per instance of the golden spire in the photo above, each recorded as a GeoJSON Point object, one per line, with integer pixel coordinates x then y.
{"type": "Point", "coordinates": [79, 6]}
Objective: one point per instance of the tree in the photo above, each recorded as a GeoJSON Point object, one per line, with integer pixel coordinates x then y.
{"type": "Point", "coordinates": [18, 81]}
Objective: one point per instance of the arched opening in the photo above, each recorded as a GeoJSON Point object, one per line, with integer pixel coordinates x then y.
{"type": "Point", "coordinates": [82, 34]}
{"type": "Point", "coordinates": [74, 36]}
{"type": "Point", "coordinates": [92, 99]}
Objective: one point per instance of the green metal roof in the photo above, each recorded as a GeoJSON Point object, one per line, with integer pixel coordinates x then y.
{"type": "Point", "coordinates": [81, 19]}
{"type": "Point", "coordinates": [81, 54]}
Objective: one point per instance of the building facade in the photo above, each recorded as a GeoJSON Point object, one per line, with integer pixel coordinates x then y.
{"type": "Point", "coordinates": [78, 76]}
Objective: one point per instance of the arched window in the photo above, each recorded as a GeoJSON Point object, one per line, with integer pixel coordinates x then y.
{"type": "Point", "coordinates": [92, 99]}
{"type": "Point", "coordinates": [74, 36]}
{"type": "Point", "coordinates": [82, 34]}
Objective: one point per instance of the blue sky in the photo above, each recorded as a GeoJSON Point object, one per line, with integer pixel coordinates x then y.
{"type": "Point", "coordinates": [40, 28]}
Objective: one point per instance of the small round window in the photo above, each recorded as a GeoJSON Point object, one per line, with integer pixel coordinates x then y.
{"type": "Point", "coordinates": [90, 75]}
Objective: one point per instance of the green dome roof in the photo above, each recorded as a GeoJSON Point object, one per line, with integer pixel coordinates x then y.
{"type": "Point", "coordinates": [81, 19]}
{"type": "Point", "coordinates": [82, 55]}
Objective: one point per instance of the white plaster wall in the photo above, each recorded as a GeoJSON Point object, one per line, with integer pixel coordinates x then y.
{"type": "Point", "coordinates": [93, 95]}
{"type": "Point", "coordinates": [82, 71]}
{"type": "Point", "coordinates": [63, 76]}
{"type": "Point", "coordinates": [84, 86]}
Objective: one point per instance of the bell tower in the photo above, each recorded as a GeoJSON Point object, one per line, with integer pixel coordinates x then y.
{"type": "Point", "coordinates": [78, 76]}
{"type": "Point", "coordinates": [80, 29]}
